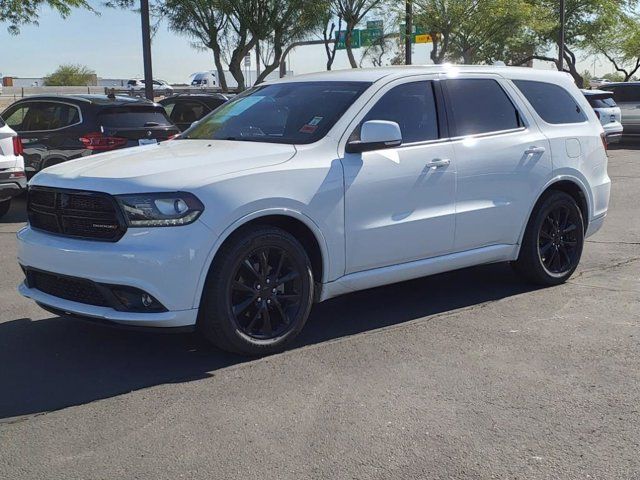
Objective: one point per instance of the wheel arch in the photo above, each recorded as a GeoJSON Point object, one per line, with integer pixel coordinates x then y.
{"type": "Point", "coordinates": [573, 186]}
{"type": "Point", "coordinates": [303, 228]}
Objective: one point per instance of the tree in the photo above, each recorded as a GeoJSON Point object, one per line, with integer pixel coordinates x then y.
{"type": "Point", "coordinates": [69, 75]}
{"type": "Point", "coordinates": [618, 40]}
{"type": "Point", "coordinates": [474, 31]}
{"type": "Point", "coordinates": [205, 21]}
{"type": "Point", "coordinates": [583, 20]}
{"type": "Point", "coordinates": [23, 12]}
{"type": "Point", "coordinates": [352, 12]}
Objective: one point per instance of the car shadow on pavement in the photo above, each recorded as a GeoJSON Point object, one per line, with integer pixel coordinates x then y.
{"type": "Point", "coordinates": [55, 363]}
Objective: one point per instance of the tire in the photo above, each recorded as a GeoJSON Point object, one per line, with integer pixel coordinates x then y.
{"type": "Point", "coordinates": [241, 310]}
{"type": "Point", "coordinates": [5, 205]}
{"type": "Point", "coordinates": [553, 241]}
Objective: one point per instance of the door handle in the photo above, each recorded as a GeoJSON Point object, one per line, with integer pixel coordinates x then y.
{"type": "Point", "coordinates": [534, 150]}
{"type": "Point", "coordinates": [438, 162]}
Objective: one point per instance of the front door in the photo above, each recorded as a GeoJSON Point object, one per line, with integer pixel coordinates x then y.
{"type": "Point", "coordinates": [399, 202]}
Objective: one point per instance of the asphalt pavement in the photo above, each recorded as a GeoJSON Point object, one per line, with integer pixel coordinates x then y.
{"type": "Point", "coordinates": [469, 374]}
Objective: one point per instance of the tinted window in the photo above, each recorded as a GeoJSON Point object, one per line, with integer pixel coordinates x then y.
{"type": "Point", "coordinates": [39, 116]}
{"type": "Point", "coordinates": [2, 124]}
{"type": "Point", "coordinates": [480, 106]}
{"type": "Point", "coordinates": [293, 113]}
{"type": "Point", "coordinates": [553, 103]}
{"type": "Point", "coordinates": [601, 101]}
{"type": "Point", "coordinates": [624, 93]}
{"type": "Point", "coordinates": [413, 107]}
{"type": "Point", "coordinates": [127, 117]}
{"type": "Point", "coordinates": [187, 112]}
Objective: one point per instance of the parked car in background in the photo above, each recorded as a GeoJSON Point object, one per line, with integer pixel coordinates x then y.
{"type": "Point", "coordinates": [607, 111]}
{"type": "Point", "coordinates": [58, 128]}
{"type": "Point", "coordinates": [160, 87]}
{"type": "Point", "coordinates": [13, 180]}
{"type": "Point", "coordinates": [184, 109]}
{"type": "Point", "coordinates": [627, 97]}
{"type": "Point", "coordinates": [204, 80]}
{"type": "Point", "coordinates": [317, 186]}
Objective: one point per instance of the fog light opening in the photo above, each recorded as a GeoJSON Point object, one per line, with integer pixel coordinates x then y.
{"type": "Point", "coordinates": [135, 300]}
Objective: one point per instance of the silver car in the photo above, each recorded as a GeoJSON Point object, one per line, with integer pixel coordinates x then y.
{"type": "Point", "coordinates": [607, 111]}
{"type": "Point", "coordinates": [627, 96]}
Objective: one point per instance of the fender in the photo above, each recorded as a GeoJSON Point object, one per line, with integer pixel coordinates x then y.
{"type": "Point", "coordinates": [563, 175]}
{"type": "Point", "coordinates": [252, 216]}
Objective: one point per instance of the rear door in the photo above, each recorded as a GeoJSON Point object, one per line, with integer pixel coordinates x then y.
{"type": "Point", "coordinates": [138, 124]}
{"type": "Point", "coordinates": [502, 160]}
{"type": "Point", "coordinates": [46, 130]}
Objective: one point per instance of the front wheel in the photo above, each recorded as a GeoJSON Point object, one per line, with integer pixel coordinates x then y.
{"type": "Point", "coordinates": [5, 205]}
{"type": "Point", "coordinates": [553, 241]}
{"type": "Point", "coordinates": [258, 293]}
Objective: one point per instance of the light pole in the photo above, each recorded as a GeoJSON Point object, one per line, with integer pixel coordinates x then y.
{"type": "Point", "coordinates": [146, 49]}
{"type": "Point", "coordinates": [561, 38]}
{"type": "Point", "coordinates": [408, 30]}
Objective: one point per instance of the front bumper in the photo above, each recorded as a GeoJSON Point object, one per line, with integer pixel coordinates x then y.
{"type": "Point", "coordinates": [165, 262]}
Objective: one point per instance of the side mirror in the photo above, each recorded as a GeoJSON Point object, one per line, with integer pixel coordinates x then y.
{"type": "Point", "coordinates": [376, 135]}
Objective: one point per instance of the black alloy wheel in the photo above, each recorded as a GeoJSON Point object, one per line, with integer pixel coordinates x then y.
{"type": "Point", "coordinates": [558, 240]}
{"type": "Point", "coordinates": [553, 240]}
{"type": "Point", "coordinates": [258, 293]}
{"type": "Point", "coordinates": [266, 293]}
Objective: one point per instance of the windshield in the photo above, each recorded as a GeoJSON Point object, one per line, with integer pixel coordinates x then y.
{"type": "Point", "coordinates": [293, 113]}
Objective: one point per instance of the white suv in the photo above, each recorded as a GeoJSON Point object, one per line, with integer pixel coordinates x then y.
{"type": "Point", "coordinates": [304, 189]}
{"type": "Point", "coordinates": [13, 180]}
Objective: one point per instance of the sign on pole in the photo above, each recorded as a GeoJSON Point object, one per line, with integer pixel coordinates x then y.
{"type": "Point", "coordinates": [341, 39]}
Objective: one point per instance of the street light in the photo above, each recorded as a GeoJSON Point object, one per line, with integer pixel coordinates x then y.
{"type": "Point", "coordinates": [146, 49]}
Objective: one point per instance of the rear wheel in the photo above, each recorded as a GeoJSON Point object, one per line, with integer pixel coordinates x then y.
{"type": "Point", "coordinates": [553, 241]}
{"type": "Point", "coordinates": [258, 294]}
{"type": "Point", "coordinates": [5, 205]}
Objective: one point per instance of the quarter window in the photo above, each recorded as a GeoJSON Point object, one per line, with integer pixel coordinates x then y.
{"type": "Point", "coordinates": [553, 103]}
{"type": "Point", "coordinates": [479, 105]}
{"type": "Point", "coordinates": [412, 106]}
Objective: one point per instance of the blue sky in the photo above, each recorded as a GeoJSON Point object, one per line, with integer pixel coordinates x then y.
{"type": "Point", "coordinates": [110, 44]}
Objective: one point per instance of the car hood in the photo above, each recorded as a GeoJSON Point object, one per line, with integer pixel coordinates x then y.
{"type": "Point", "coordinates": [170, 165]}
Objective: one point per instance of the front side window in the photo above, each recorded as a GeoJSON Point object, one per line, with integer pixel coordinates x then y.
{"type": "Point", "coordinates": [480, 105]}
{"type": "Point", "coordinates": [412, 106]}
{"type": "Point", "coordinates": [291, 113]}
{"type": "Point", "coordinates": [15, 116]}
{"type": "Point", "coordinates": [553, 103]}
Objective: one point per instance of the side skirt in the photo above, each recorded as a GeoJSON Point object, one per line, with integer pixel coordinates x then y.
{"type": "Point", "coordinates": [419, 268]}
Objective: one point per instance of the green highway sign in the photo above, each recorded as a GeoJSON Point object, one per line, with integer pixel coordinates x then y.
{"type": "Point", "coordinates": [341, 37]}
{"type": "Point", "coordinates": [370, 36]}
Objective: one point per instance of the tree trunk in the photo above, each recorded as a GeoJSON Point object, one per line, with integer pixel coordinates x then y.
{"type": "Point", "coordinates": [237, 57]}
{"type": "Point", "coordinates": [277, 56]}
{"type": "Point", "coordinates": [347, 43]}
{"type": "Point", "coordinates": [217, 59]}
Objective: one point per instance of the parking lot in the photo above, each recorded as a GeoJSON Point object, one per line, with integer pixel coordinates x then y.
{"type": "Point", "coordinates": [468, 374]}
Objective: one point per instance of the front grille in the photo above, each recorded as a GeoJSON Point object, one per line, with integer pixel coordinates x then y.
{"type": "Point", "coordinates": [75, 213]}
{"type": "Point", "coordinates": [68, 288]}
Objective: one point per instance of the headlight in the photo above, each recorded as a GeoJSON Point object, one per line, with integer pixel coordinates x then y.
{"type": "Point", "coordinates": [160, 209]}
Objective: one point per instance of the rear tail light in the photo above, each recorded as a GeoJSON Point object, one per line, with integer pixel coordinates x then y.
{"type": "Point", "coordinates": [17, 146]}
{"type": "Point", "coordinates": [99, 142]}
{"type": "Point", "coordinates": [603, 137]}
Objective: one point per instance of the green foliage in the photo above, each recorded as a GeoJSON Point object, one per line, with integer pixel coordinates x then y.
{"type": "Point", "coordinates": [69, 75]}
{"type": "Point", "coordinates": [23, 12]}
{"type": "Point", "coordinates": [614, 77]}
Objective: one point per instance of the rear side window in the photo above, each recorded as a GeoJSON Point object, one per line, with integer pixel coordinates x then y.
{"type": "Point", "coordinates": [553, 103]}
{"type": "Point", "coordinates": [479, 105]}
{"type": "Point", "coordinates": [412, 106]}
{"type": "Point", "coordinates": [127, 117]}
{"type": "Point", "coordinates": [42, 116]}
{"type": "Point", "coordinates": [601, 101]}
{"type": "Point", "coordinates": [625, 93]}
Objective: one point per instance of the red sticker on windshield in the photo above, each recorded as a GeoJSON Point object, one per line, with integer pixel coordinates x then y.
{"type": "Point", "coordinates": [308, 128]}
